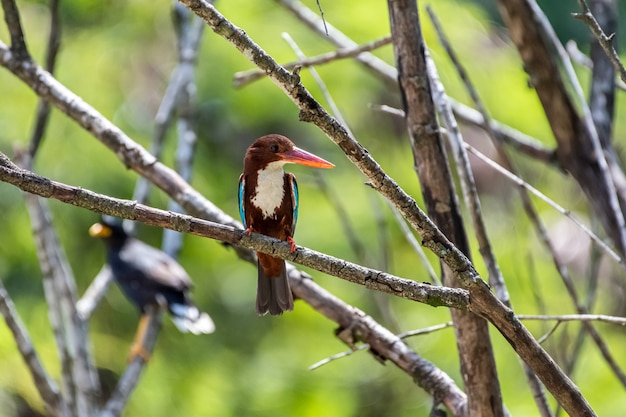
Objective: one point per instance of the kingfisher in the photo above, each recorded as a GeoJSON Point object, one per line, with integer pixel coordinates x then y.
{"type": "Point", "coordinates": [149, 276]}
{"type": "Point", "coordinates": [268, 204]}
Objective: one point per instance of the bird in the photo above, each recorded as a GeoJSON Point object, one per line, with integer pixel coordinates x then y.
{"type": "Point", "coordinates": [149, 277]}
{"type": "Point", "coordinates": [268, 204]}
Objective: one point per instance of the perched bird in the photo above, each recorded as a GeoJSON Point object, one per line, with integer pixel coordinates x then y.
{"type": "Point", "coordinates": [268, 204]}
{"type": "Point", "coordinates": [149, 276]}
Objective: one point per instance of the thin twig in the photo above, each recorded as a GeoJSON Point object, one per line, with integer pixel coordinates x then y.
{"type": "Point", "coordinates": [410, 237]}
{"type": "Point", "coordinates": [621, 321]}
{"type": "Point", "coordinates": [598, 153]}
{"type": "Point", "coordinates": [581, 59]}
{"type": "Point", "coordinates": [190, 33]}
{"type": "Point", "coordinates": [567, 213]}
{"type": "Point", "coordinates": [243, 78]}
{"type": "Point", "coordinates": [411, 333]}
{"type": "Point", "coordinates": [565, 277]}
{"type": "Point", "coordinates": [468, 185]}
{"type": "Point", "coordinates": [94, 293]}
{"type": "Point", "coordinates": [605, 41]}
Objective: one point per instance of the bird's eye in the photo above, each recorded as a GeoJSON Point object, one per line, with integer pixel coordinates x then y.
{"type": "Point", "coordinates": [274, 148]}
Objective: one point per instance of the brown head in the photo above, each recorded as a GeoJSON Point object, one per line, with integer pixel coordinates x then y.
{"type": "Point", "coordinates": [278, 148]}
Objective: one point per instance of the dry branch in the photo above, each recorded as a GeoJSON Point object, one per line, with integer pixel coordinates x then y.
{"type": "Point", "coordinates": [46, 386]}
{"type": "Point", "coordinates": [134, 156]}
{"type": "Point", "coordinates": [606, 42]}
{"type": "Point", "coordinates": [477, 361]}
{"type": "Point", "coordinates": [503, 318]}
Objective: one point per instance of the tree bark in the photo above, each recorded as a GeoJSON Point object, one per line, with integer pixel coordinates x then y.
{"type": "Point", "coordinates": [478, 366]}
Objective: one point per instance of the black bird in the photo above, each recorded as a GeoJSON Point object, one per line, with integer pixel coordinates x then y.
{"type": "Point", "coordinates": [149, 276]}
{"type": "Point", "coordinates": [268, 204]}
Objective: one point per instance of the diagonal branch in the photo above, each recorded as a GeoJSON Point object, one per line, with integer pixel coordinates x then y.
{"type": "Point", "coordinates": [552, 376]}
{"type": "Point", "coordinates": [141, 161]}
{"type": "Point", "coordinates": [138, 158]}
{"type": "Point", "coordinates": [245, 77]}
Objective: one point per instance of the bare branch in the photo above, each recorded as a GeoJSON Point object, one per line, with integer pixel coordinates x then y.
{"type": "Point", "coordinates": [241, 79]}
{"type": "Point", "coordinates": [411, 333]}
{"type": "Point", "coordinates": [52, 50]}
{"type": "Point", "coordinates": [567, 213]}
{"type": "Point", "coordinates": [473, 341]}
{"type": "Point", "coordinates": [620, 321]}
{"type": "Point", "coordinates": [96, 290]}
{"type": "Point", "coordinates": [357, 326]}
{"type": "Point", "coordinates": [606, 42]}
{"type": "Point", "coordinates": [45, 385]}
{"type": "Point", "coordinates": [130, 378]}
{"type": "Point", "coordinates": [12, 18]}
{"type": "Point", "coordinates": [80, 376]}
{"type": "Point", "coordinates": [137, 158]}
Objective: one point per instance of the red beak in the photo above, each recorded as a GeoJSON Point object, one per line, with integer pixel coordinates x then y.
{"type": "Point", "coordinates": [301, 157]}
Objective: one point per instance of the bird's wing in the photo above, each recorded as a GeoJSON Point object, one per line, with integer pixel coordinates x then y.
{"type": "Point", "coordinates": [158, 266]}
{"type": "Point", "coordinates": [293, 184]}
{"type": "Point", "coordinates": [242, 210]}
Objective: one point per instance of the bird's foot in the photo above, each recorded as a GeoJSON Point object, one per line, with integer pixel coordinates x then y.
{"type": "Point", "coordinates": [292, 244]}
{"type": "Point", "coordinates": [137, 349]}
{"type": "Point", "coordinates": [249, 230]}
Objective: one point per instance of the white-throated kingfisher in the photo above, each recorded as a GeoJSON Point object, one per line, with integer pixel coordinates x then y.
{"type": "Point", "coordinates": [268, 204]}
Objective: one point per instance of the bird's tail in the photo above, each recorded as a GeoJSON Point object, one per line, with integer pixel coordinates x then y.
{"type": "Point", "coordinates": [273, 293]}
{"type": "Point", "coordinates": [188, 318]}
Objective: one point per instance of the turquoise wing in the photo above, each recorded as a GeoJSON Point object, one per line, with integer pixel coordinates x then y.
{"type": "Point", "coordinates": [242, 210]}
{"type": "Point", "coordinates": [294, 202]}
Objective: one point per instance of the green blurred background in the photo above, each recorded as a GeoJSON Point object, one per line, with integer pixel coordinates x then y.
{"type": "Point", "coordinates": [118, 56]}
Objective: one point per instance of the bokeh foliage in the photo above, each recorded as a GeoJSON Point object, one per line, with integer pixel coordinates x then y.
{"type": "Point", "coordinates": [118, 57]}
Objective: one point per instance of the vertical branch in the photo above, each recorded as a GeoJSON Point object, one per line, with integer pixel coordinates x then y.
{"type": "Point", "coordinates": [12, 19]}
{"type": "Point", "coordinates": [83, 382]}
{"type": "Point", "coordinates": [602, 94]}
{"type": "Point", "coordinates": [190, 30]}
{"type": "Point", "coordinates": [473, 203]}
{"type": "Point", "coordinates": [472, 332]}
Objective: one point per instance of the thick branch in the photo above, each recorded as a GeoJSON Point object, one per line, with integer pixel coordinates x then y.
{"type": "Point", "coordinates": [478, 367]}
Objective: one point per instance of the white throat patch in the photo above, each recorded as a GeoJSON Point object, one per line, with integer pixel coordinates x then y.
{"type": "Point", "coordinates": [270, 190]}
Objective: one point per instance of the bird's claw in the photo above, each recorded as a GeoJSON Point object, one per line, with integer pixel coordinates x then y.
{"type": "Point", "coordinates": [292, 244]}
{"type": "Point", "coordinates": [249, 231]}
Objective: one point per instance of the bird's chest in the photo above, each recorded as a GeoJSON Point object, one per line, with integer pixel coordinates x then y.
{"type": "Point", "coordinates": [269, 192]}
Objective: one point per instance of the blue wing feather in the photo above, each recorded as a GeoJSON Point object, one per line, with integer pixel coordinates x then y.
{"type": "Point", "coordinates": [242, 210]}
{"type": "Point", "coordinates": [295, 198]}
